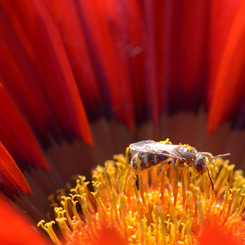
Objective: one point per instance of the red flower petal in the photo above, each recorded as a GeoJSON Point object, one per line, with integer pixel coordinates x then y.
{"type": "Point", "coordinates": [37, 74]}
{"type": "Point", "coordinates": [181, 39]}
{"type": "Point", "coordinates": [109, 236]}
{"type": "Point", "coordinates": [17, 137]}
{"type": "Point", "coordinates": [213, 234]}
{"type": "Point", "coordinates": [68, 21]}
{"type": "Point", "coordinates": [135, 50]}
{"type": "Point", "coordinates": [107, 46]}
{"type": "Point", "coordinates": [221, 18]}
{"type": "Point", "coordinates": [229, 87]}
{"type": "Point", "coordinates": [16, 229]}
{"type": "Point", "coordinates": [12, 180]}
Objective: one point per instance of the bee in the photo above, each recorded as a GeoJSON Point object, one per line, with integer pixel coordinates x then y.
{"type": "Point", "coordinates": [150, 153]}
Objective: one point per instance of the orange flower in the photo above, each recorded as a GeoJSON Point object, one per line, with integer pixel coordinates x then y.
{"type": "Point", "coordinates": [80, 81]}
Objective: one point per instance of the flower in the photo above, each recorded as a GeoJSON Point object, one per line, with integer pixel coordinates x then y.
{"type": "Point", "coordinates": [80, 81]}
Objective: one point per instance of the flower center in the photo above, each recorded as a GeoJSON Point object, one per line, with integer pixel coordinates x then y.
{"type": "Point", "coordinates": [142, 209]}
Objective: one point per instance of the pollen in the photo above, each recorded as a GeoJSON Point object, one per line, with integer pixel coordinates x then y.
{"type": "Point", "coordinates": [145, 210]}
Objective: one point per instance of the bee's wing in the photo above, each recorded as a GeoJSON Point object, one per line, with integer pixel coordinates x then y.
{"type": "Point", "coordinates": [152, 147]}
{"type": "Point", "coordinates": [144, 146]}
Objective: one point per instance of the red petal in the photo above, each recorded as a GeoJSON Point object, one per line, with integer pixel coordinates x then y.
{"type": "Point", "coordinates": [108, 46]}
{"type": "Point", "coordinates": [135, 48]}
{"type": "Point", "coordinates": [222, 15]}
{"type": "Point", "coordinates": [213, 234]}
{"type": "Point", "coordinates": [109, 236]}
{"type": "Point", "coordinates": [37, 74]}
{"type": "Point", "coordinates": [12, 180]}
{"type": "Point", "coordinates": [17, 136]}
{"type": "Point", "coordinates": [16, 229]}
{"type": "Point", "coordinates": [150, 65]}
{"type": "Point", "coordinates": [100, 90]}
{"type": "Point", "coordinates": [68, 20]}
{"type": "Point", "coordinates": [229, 87]}
{"type": "Point", "coordinates": [191, 31]}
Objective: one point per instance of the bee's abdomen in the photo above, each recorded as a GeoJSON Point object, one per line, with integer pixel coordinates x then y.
{"type": "Point", "coordinates": [155, 159]}
{"type": "Point", "coordinates": [146, 160]}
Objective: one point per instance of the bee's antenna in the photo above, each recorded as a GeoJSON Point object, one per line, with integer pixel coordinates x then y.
{"type": "Point", "coordinates": [221, 155]}
{"type": "Point", "coordinates": [212, 183]}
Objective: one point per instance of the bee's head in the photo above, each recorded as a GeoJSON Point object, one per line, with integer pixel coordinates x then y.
{"type": "Point", "coordinates": [200, 163]}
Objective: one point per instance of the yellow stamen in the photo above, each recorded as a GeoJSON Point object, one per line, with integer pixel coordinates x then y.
{"type": "Point", "coordinates": [145, 210]}
{"type": "Point", "coordinates": [49, 229]}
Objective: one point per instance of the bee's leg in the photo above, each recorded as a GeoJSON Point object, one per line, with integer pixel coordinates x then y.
{"type": "Point", "coordinates": [135, 163]}
{"type": "Point", "coordinates": [127, 155]}
{"type": "Point", "coordinates": [164, 167]}
{"type": "Point", "coordinates": [174, 163]}
{"type": "Point", "coordinates": [212, 182]}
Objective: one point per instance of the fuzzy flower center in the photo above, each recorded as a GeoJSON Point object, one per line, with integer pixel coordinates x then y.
{"type": "Point", "coordinates": [143, 209]}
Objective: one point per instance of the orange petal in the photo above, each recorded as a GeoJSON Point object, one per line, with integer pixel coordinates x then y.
{"type": "Point", "coordinates": [16, 229]}
{"type": "Point", "coordinates": [12, 180]}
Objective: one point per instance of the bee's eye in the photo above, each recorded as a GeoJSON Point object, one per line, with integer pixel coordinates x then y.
{"type": "Point", "coordinates": [201, 164]}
